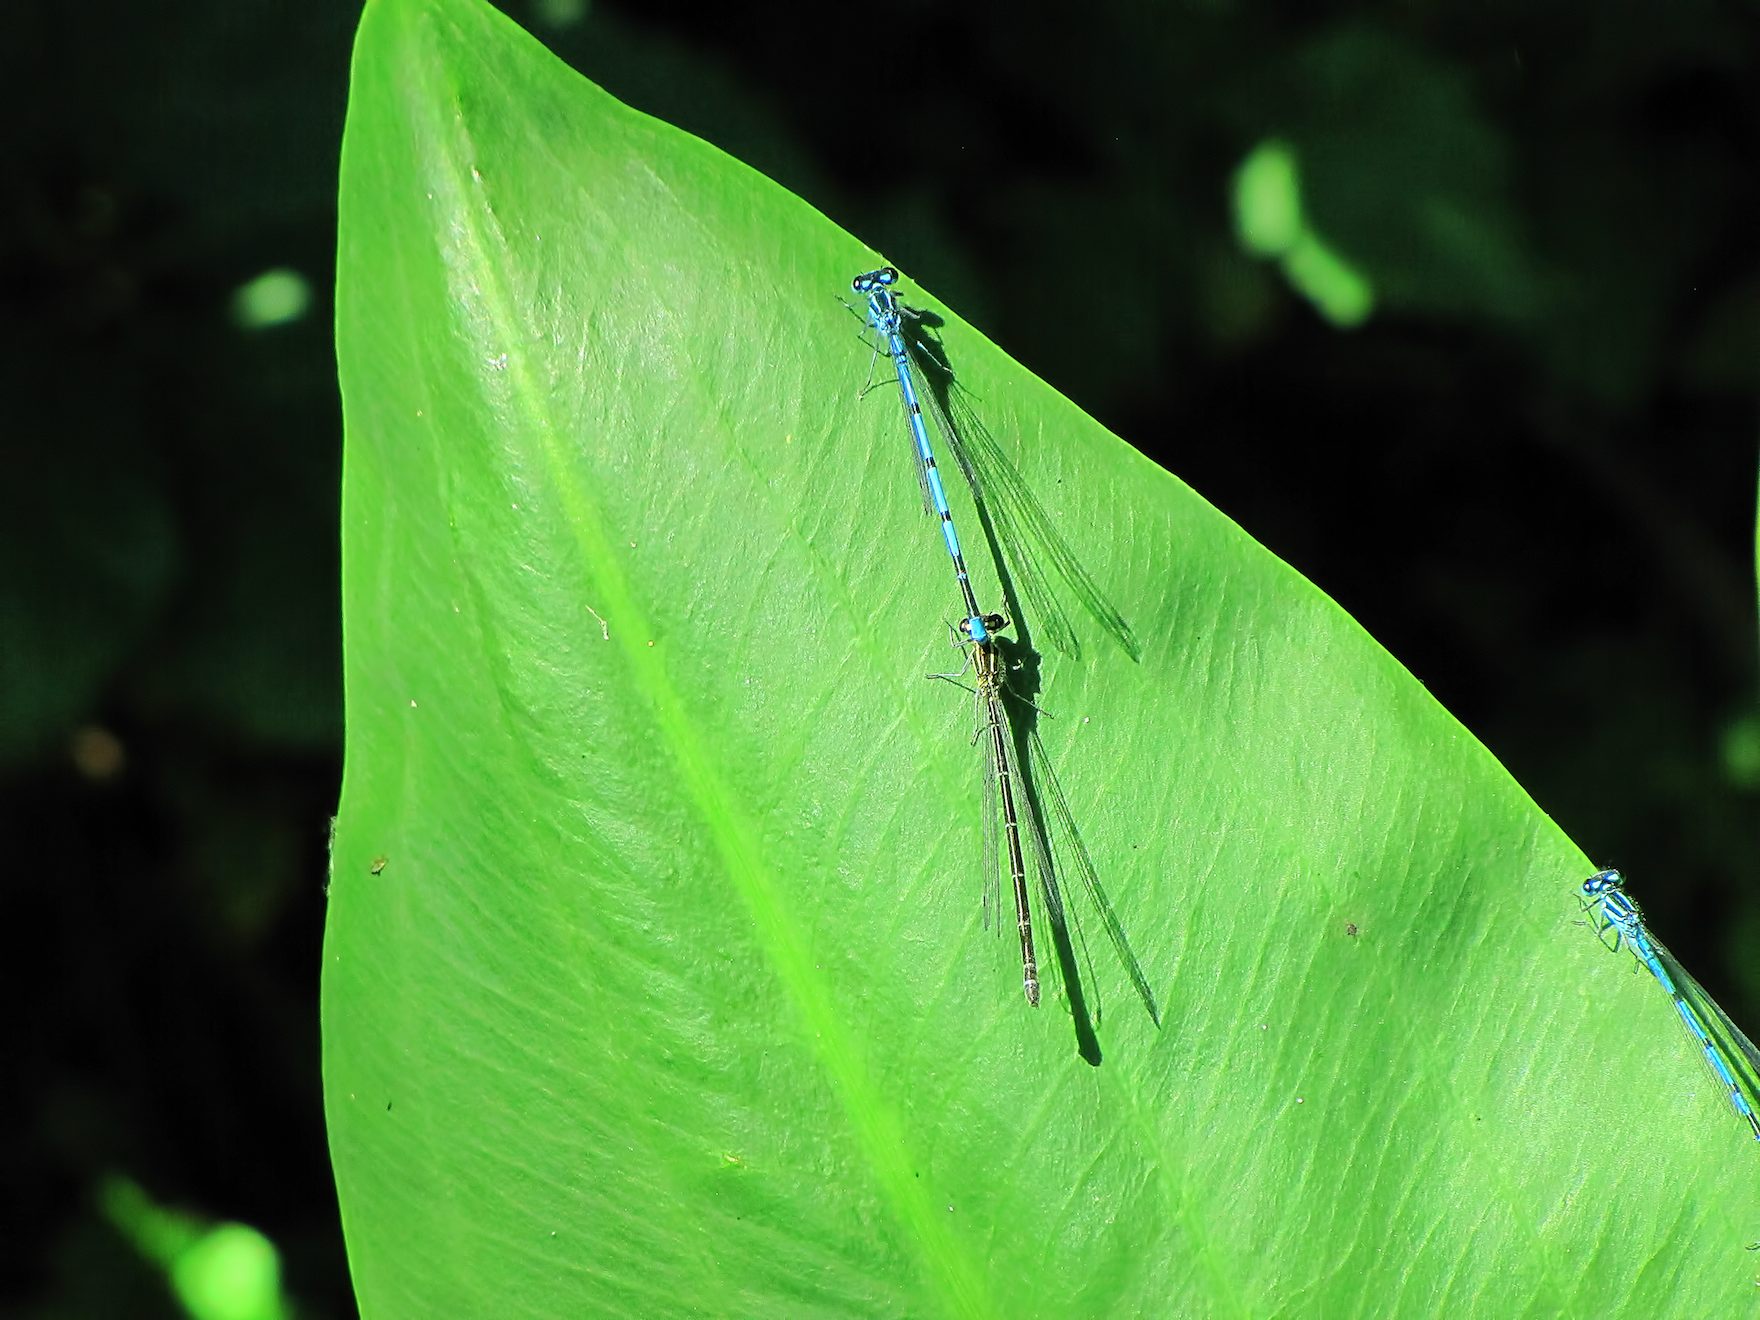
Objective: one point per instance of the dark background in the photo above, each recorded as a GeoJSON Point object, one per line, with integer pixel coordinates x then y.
{"type": "Point", "coordinates": [1531, 474]}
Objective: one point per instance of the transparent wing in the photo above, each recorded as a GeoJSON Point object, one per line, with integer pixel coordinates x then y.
{"type": "Point", "coordinates": [992, 850]}
{"type": "Point", "coordinates": [1074, 853]}
{"type": "Point", "coordinates": [1024, 531]}
{"type": "Point", "coordinates": [1055, 912]}
{"type": "Point", "coordinates": [1738, 1052]}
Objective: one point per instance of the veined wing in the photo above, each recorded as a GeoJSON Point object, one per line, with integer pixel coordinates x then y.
{"type": "Point", "coordinates": [1738, 1052]}
{"type": "Point", "coordinates": [992, 827]}
{"type": "Point", "coordinates": [1024, 531]}
{"type": "Point", "coordinates": [1065, 839]}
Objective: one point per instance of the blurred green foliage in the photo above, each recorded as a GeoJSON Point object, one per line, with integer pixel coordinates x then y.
{"type": "Point", "coordinates": [1530, 472]}
{"type": "Point", "coordinates": [217, 1271]}
{"type": "Point", "coordinates": [1269, 219]}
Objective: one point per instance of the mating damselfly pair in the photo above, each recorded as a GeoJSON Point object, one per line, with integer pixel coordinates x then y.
{"type": "Point", "coordinates": [1027, 820]}
{"type": "Point", "coordinates": [1023, 804]}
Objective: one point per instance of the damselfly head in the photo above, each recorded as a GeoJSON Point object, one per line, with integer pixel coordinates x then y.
{"type": "Point", "coordinates": [992, 623]}
{"type": "Point", "coordinates": [1601, 882]}
{"type": "Point", "coordinates": [868, 281]}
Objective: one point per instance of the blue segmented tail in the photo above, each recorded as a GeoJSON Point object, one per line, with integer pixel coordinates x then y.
{"type": "Point", "coordinates": [1733, 1060]}
{"type": "Point", "coordinates": [886, 316]}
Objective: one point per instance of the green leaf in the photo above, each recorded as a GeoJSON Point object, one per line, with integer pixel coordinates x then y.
{"type": "Point", "coordinates": [655, 981]}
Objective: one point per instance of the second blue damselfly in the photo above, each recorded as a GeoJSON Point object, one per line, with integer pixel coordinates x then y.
{"type": "Point", "coordinates": [1729, 1056]}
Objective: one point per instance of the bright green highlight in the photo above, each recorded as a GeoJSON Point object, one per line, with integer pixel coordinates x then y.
{"type": "Point", "coordinates": [1270, 223]}
{"type": "Point", "coordinates": [562, 13]}
{"type": "Point", "coordinates": [1268, 200]}
{"type": "Point", "coordinates": [273, 298]}
{"type": "Point", "coordinates": [1741, 750]}
{"type": "Point", "coordinates": [217, 1272]}
{"type": "Point", "coordinates": [1330, 282]}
